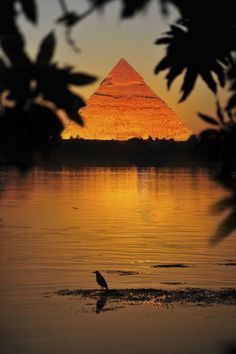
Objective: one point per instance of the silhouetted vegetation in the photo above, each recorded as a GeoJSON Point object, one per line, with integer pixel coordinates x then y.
{"type": "Point", "coordinates": [200, 43]}
{"type": "Point", "coordinates": [31, 91]}
{"type": "Point", "coordinates": [134, 152]}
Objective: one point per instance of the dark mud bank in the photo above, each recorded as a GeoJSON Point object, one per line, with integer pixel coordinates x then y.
{"type": "Point", "coordinates": [191, 296]}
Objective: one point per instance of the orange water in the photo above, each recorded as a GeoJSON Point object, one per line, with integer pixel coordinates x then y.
{"type": "Point", "coordinates": [58, 226]}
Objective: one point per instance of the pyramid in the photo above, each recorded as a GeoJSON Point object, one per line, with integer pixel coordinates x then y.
{"type": "Point", "coordinates": [124, 107]}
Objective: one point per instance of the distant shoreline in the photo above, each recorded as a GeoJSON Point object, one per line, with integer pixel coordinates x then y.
{"type": "Point", "coordinates": [136, 152]}
{"type": "Point", "coordinates": [133, 152]}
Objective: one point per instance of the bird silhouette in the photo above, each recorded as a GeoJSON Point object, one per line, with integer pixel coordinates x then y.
{"type": "Point", "coordinates": [101, 280]}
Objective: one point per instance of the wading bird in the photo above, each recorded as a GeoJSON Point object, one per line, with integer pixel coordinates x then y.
{"type": "Point", "coordinates": [101, 280]}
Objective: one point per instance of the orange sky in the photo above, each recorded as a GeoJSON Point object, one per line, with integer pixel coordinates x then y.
{"type": "Point", "coordinates": [104, 39]}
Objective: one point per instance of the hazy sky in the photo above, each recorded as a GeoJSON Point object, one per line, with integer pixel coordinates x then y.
{"type": "Point", "coordinates": [103, 39]}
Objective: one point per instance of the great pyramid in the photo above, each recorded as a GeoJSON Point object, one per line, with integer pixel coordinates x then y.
{"type": "Point", "coordinates": [124, 107]}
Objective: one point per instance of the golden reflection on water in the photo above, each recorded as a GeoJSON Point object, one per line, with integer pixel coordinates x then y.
{"type": "Point", "coordinates": [59, 226]}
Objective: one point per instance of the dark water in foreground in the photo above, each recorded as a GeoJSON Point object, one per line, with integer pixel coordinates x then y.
{"type": "Point", "coordinates": [134, 225]}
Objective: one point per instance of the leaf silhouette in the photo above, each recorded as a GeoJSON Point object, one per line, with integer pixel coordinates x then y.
{"type": "Point", "coordinates": [173, 73]}
{"type": "Point", "coordinates": [163, 40]}
{"type": "Point", "coordinates": [219, 70]}
{"type": "Point", "coordinates": [208, 78]}
{"type": "Point", "coordinates": [46, 50]}
{"type": "Point", "coordinates": [225, 228]}
{"type": "Point", "coordinates": [44, 124]}
{"type": "Point", "coordinates": [175, 31]}
{"type": "Point", "coordinates": [67, 101]}
{"type": "Point", "coordinates": [54, 84]}
{"type": "Point", "coordinates": [164, 64]}
{"type": "Point", "coordinates": [208, 119]}
{"type": "Point", "coordinates": [131, 7]}
{"type": "Point", "coordinates": [231, 103]}
{"type": "Point", "coordinates": [223, 205]}
{"type": "Point", "coordinates": [81, 79]}
{"type": "Point", "coordinates": [188, 84]}
{"type": "Point", "coordinates": [2, 66]}
{"type": "Point", "coordinates": [219, 112]}
{"type": "Point", "coordinates": [231, 75]}
{"type": "Point", "coordinates": [30, 10]}
{"type": "Point", "coordinates": [14, 49]}
{"type": "Point", "coordinates": [71, 104]}
{"type": "Point", "coordinates": [198, 49]}
{"type": "Point", "coordinates": [99, 3]}
{"type": "Point", "coordinates": [69, 19]}
{"type": "Point", "coordinates": [63, 98]}
{"type": "Point", "coordinates": [233, 85]}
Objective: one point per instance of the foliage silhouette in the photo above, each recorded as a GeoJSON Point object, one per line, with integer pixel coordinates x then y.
{"type": "Point", "coordinates": [227, 204]}
{"type": "Point", "coordinates": [183, 54]}
{"type": "Point", "coordinates": [129, 7]}
{"type": "Point", "coordinates": [205, 38]}
{"type": "Point", "coordinates": [70, 19]}
{"type": "Point", "coordinates": [219, 145]}
{"type": "Point", "coordinates": [76, 153]}
{"type": "Point", "coordinates": [232, 79]}
{"type": "Point", "coordinates": [201, 42]}
{"type": "Point", "coordinates": [31, 92]}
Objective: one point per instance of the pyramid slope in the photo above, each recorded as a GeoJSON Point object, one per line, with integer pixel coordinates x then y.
{"type": "Point", "coordinates": [124, 107]}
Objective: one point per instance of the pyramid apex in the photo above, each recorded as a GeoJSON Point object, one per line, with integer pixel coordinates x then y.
{"type": "Point", "coordinates": [122, 60]}
{"type": "Point", "coordinates": [123, 71]}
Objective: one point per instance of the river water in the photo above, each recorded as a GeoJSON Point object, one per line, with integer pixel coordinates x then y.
{"type": "Point", "coordinates": [57, 227]}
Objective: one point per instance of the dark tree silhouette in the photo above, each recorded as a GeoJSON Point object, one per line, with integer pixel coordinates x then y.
{"type": "Point", "coordinates": [232, 79]}
{"type": "Point", "coordinates": [183, 54]}
{"type": "Point", "coordinates": [32, 91]}
{"type": "Point", "coordinates": [201, 43]}
{"type": "Point", "coordinates": [69, 19]}
{"type": "Point", "coordinates": [219, 145]}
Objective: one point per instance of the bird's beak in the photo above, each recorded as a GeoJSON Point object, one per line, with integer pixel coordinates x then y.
{"type": "Point", "coordinates": [93, 272]}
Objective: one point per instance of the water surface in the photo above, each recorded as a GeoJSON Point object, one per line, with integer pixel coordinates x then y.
{"type": "Point", "coordinates": [133, 225]}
